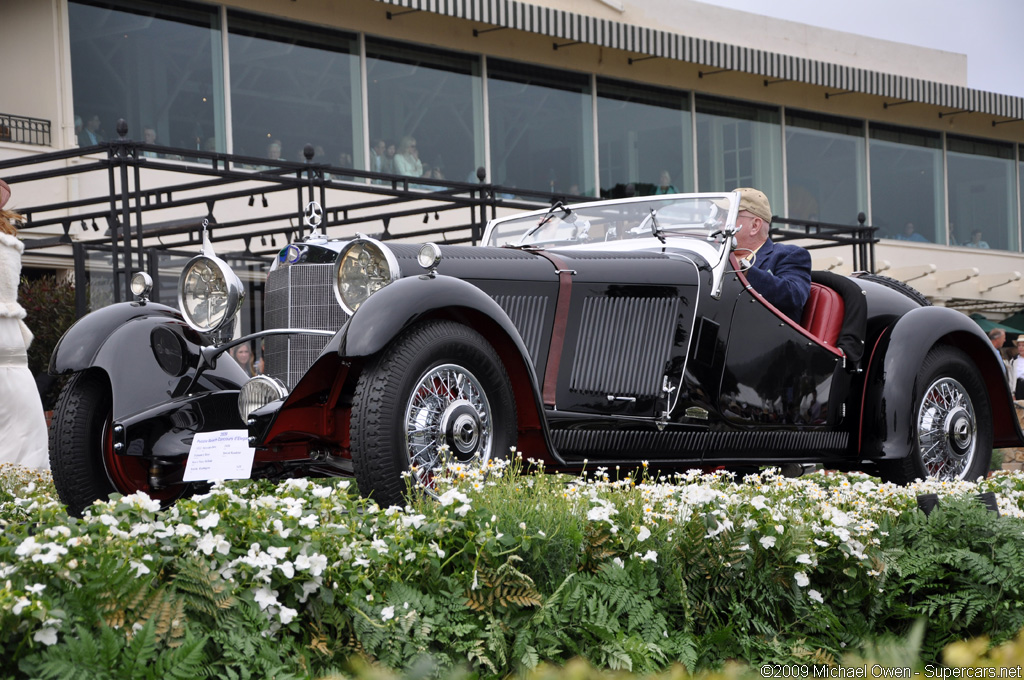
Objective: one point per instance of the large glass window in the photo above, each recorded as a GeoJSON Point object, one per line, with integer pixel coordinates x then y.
{"type": "Point", "coordinates": [907, 163]}
{"type": "Point", "coordinates": [739, 145]}
{"type": "Point", "coordinates": [157, 66]}
{"type": "Point", "coordinates": [542, 128]}
{"type": "Point", "coordinates": [825, 168]}
{"type": "Point", "coordinates": [982, 194]}
{"type": "Point", "coordinates": [291, 86]}
{"type": "Point", "coordinates": [646, 139]}
{"type": "Point", "coordinates": [425, 111]}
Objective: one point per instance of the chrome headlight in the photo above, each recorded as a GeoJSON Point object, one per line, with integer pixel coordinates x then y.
{"type": "Point", "coordinates": [209, 293]}
{"type": "Point", "coordinates": [364, 267]}
{"type": "Point", "coordinates": [259, 392]}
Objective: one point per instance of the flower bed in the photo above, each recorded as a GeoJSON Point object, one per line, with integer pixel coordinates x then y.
{"type": "Point", "coordinates": [502, 572]}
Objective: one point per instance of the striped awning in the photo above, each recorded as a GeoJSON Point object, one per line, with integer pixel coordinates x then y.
{"type": "Point", "coordinates": [657, 43]}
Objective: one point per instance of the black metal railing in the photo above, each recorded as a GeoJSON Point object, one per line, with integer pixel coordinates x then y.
{"type": "Point", "coordinates": [24, 130]}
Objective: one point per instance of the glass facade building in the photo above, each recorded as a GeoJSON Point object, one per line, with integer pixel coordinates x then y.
{"type": "Point", "coordinates": [204, 77]}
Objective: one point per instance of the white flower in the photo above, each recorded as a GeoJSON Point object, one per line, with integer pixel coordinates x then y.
{"type": "Point", "coordinates": [48, 636]}
{"type": "Point", "coordinates": [802, 580]}
{"type": "Point", "coordinates": [287, 569]}
{"type": "Point", "coordinates": [266, 597]}
{"type": "Point", "coordinates": [744, 546]}
{"type": "Point", "coordinates": [437, 549]}
{"type": "Point", "coordinates": [287, 615]}
{"type": "Point", "coordinates": [643, 534]}
{"type": "Point", "coordinates": [619, 563]}
{"type": "Point", "coordinates": [323, 491]}
{"type": "Point", "coordinates": [463, 509]}
{"type": "Point", "coordinates": [803, 558]}
{"type": "Point", "coordinates": [758, 502]}
{"type": "Point", "coordinates": [821, 543]}
{"type": "Point", "coordinates": [209, 522]}
{"type": "Point", "coordinates": [651, 556]}
{"type": "Point", "coordinates": [767, 541]}
{"type": "Point", "coordinates": [28, 547]}
{"type": "Point", "coordinates": [815, 595]}
{"type": "Point", "coordinates": [139, 568]}
{"type": "Point", "coordinates": [20, 604]}
{"type": "Point", "coordinates": [387, 613]}
{"type": "Point", "coordinates": [450, 496]}
{"type": "Point", "coordinates": [277, 552]}
{"type": "Point", "coordinates": [414, 521]}
{"type": "Point", "coordinates": [36, 589]}
{"type": "Point", "coordinates": [309, 521]}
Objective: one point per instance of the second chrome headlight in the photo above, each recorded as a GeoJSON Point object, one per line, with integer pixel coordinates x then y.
{"type": "Point", "coordinates": [364, 266]}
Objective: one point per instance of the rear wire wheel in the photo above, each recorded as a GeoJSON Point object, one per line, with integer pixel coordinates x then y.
{"type": "Point", "coordinates": [439, 394]}
{"type": "Point", "coordinates": [952, 422]}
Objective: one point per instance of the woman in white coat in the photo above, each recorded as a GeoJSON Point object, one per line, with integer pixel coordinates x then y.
{"type": "Point", "coordinates": [22, 422]}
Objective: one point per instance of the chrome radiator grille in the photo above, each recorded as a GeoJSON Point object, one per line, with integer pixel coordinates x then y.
{"type": "Point", "coordinates": [299, 296]}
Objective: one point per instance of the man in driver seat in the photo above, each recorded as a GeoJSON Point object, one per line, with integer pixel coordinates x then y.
{"type": "Point", "coordinates": [781, 273]}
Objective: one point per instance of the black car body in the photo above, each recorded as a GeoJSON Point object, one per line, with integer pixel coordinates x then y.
{"type": "Point", "coordinates": [612, 333]}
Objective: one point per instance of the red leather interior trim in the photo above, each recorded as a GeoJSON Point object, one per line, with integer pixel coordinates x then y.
{"type": "Point", "coordinates": [823, 314]}
{"type": "Point", "coordinates": [550, 386]}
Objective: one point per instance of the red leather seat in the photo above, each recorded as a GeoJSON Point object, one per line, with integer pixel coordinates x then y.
{"type": "Point", "coordinates": [823, 314]}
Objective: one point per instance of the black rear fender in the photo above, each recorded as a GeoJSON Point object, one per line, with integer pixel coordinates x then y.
{"type": "Point", "coordinates": [891, 383]}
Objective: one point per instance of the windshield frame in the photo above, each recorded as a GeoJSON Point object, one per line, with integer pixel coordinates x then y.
{"type": "Point", "coordinates": [561, 222]}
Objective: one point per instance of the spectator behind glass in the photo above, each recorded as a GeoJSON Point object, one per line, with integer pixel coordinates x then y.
{"type": "Point", "coordinates": [21, 410]}
{"type": "Point", "coordinates": [976, 241]}
{"type": "Point", "coordinates": [665, 185]}
{"type": "Point", "coordinates": [909, 234]}
{"type": "Point", "coordinates": [407, 159]}
{"type": "Point", "coordinates": [274, 150]}
{"type": "Point", "coordinates": [149, 137]}
{"type": "Point", "coordinates": [91, 134]}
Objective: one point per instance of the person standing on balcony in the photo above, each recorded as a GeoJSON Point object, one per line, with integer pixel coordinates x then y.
{"type": "Point", "coordinates": [21, 411]}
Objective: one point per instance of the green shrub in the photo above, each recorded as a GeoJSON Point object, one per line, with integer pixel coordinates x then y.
{"type": "Point", "coordinates": [500, 574]}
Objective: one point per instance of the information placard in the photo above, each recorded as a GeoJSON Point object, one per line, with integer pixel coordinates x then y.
{"type": "Point", "coordinates": [224, 454]}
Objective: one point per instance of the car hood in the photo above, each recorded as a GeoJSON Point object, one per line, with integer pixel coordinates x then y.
{"type": "Point", "coordinates": [488, 263]}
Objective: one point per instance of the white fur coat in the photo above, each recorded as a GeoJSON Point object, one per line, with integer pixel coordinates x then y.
{"type": "Point", "coordinates": [10, 274]}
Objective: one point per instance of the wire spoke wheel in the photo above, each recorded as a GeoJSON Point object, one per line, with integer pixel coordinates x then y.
{"type": "Point", "coordinates": [947, 430]}
{"type": "Point", "coordinates": [448, 418]}
{"type": "Point", "coordinates": [948, 424]}
{"type": "Point", "coordinates": [438, 394]}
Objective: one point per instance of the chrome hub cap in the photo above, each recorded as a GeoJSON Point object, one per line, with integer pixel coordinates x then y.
{"type": "Point", "coordinates": [946, 430]}
{"type": "Point", "coordinates": [448, 413]}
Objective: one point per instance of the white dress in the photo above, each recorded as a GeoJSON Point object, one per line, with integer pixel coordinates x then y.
{"type": "Point", "coordinates": [23, 438]}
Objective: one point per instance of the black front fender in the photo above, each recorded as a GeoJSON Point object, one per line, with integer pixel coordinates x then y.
{"type": "Point", "coordinates": [892, 385]}
{"type": "Point", "coordinates": [148, 352]}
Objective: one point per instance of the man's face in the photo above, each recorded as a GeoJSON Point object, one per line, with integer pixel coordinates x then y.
{"type": "Point", "coordinates": [1020, 349]}
{"type": "Point", "coordinates": [149, 136]}
{"type": "Point", "coordinates": [998, 339]}
{"type": "Point", "coordinates": [751, 233]}
{"type": "Point", "coordinates": [380, 148]}
{"type": "Point", "coordinates": [94, 124]}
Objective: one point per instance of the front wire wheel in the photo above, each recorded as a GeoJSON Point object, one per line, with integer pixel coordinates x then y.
{"type": "Point", "coordinates": [448, 418]}
{"type": "Point", "coordinates": [439, 394]}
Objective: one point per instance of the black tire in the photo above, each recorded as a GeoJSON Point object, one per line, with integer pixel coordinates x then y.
{"type": "Point", "coordinates": [952, 423]}
{"type": "Point", "coordinates": [84, 466]}
{"type": "Point", "coordinates": [477, 419]}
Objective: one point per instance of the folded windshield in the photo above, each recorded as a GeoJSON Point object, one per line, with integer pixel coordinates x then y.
{"type": "Point", "coordinates": [694, 215]}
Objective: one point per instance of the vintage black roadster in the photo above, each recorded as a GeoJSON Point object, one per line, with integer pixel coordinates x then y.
{"type": "Point", "coordinates": [612, 332]}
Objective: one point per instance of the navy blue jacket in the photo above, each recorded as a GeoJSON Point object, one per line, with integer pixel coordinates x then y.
{"type": "Point", "coordinates": [782, 274]}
